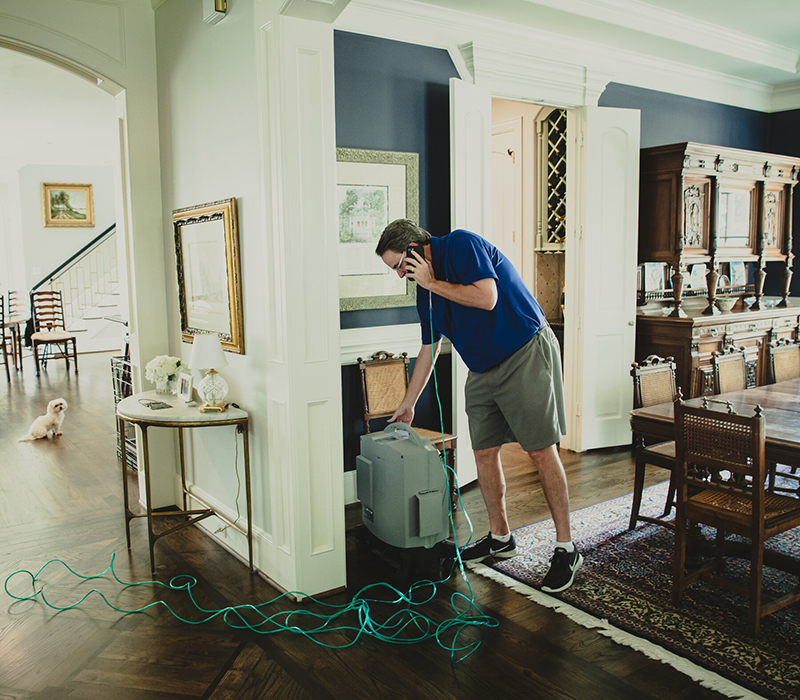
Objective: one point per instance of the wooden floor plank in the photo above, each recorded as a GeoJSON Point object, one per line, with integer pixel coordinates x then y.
{"type": "Point", "coordinates": [62, 498]}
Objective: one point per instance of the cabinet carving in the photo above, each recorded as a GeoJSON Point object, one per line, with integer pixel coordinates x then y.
{"type": "Point", "coordinates": [708, 206]}
{"type": "Point", "coordinates": [692, 339]}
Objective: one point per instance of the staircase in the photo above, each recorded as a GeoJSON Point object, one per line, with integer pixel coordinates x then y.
{"type": "Point", "coordinates": [90, 287]}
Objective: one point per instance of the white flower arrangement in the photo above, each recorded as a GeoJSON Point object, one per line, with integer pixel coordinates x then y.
{"type": "Point", "coordinates": [162, 369]}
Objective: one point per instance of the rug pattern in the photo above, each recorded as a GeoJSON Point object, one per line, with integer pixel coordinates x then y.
{"type": "Point", "coordinates": [626, 579]}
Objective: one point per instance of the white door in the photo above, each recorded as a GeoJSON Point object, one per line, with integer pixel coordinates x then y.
{"type": "Point", "coordinates": [507, 189]}
{"type": "Point", "coordinates": [470, 208]}
{"type": "Point", "coordinates": [601, 280]}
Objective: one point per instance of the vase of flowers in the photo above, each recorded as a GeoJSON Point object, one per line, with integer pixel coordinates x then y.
{"type": "Point", "coordinates": [163, 370]}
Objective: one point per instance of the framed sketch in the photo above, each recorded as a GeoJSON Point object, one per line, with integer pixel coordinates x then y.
{"type": "Point", "coordinates": [653, 277]}
{"type": "Point", "coordinates": [67, 205]}
{"type": "Point", "coordinates": [372, 189]}
{"type": "Point", "coordinates": [738, 275]}
{"type": "Point", "coordinates": [697, 277]}
{"type": "Point", "coordinates": [209, 277]}
{"type": "Point", "coordinates": [185, 382]}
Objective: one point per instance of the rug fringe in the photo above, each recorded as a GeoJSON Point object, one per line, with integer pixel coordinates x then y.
{"type": "Point", "coordinates": [708, 679]}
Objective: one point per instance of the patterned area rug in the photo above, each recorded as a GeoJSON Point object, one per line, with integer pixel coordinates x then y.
{"type": "Point", "coordinates": [624, 587]}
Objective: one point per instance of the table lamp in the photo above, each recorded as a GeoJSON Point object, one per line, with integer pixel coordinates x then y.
{"type": "Point", "coordinates": [207, 354]}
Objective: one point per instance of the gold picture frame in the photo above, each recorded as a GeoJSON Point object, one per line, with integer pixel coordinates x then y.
{"type": "Point", "coordinates": [373, 188]}
{"type": "Point", "coordinates": [67, 205]}
{"type": "Point", "coordinates": [209, 276]}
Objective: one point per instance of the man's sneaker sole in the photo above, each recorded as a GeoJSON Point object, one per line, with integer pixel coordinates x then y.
{"type": "Point", "coordinates": [571, 578]}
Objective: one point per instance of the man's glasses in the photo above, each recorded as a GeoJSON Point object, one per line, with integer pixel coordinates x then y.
{"type": "Point", "coordinates": [396, 268]}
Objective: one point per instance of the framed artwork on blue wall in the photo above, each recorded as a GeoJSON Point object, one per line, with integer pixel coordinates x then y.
{"type": "Point", "coordinates": [372, 189]}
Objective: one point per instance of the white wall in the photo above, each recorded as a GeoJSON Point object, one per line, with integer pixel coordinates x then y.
{"type": "Point", "coordinates": [208, 122]}
{"type": "Point", "coordinates": [45, 248]}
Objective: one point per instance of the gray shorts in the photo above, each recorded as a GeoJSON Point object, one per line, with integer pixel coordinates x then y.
{"type": "Point", "coordinates": [521, 399]}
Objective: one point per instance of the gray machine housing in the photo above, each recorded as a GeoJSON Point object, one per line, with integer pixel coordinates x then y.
{"type": "Point", "coordinates": [403, 488]}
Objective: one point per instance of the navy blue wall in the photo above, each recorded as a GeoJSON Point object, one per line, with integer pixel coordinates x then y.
{"type": "Point", "coordinates": [670, 118]}
{"type": "Point", "coordinates": [393, 96]}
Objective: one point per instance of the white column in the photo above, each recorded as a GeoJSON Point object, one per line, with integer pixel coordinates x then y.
{"type": "Point", "coordinates": [306, 544]}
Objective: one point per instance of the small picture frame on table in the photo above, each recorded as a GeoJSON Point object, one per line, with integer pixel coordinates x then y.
{"type": "Point", "coordinates": [185, 383]}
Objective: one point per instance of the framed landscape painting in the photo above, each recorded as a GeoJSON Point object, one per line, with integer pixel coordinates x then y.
{"type": "Point", "coordinates": [67, 205]}
{"type": "Point", "coordinates": [372, 189]}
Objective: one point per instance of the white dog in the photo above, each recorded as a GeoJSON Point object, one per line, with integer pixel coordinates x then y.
{"type": "Point", "coordinates": [49, 424]}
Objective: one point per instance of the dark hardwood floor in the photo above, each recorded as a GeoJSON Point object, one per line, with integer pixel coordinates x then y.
{"type": "Point", "coordinates": [62, 498]}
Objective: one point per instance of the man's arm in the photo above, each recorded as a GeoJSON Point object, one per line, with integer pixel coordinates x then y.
{"type": "Point", "coordinates": [423, 368]}
{"type": "Point", "coordinates": [481, 294]}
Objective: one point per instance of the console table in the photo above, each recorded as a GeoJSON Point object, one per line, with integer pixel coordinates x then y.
{"type": "Point", "coordinates": [135, 410]}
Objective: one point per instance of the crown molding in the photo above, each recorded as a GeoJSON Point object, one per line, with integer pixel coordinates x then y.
{"type": "Point", "coordinates": [786, 97]}
{"type": "Point", "coordinates": [421, 23]}
{"type": "Point", "coordinates": [656, 21]}
{"type": "Point", "coordinates": [155, 4]}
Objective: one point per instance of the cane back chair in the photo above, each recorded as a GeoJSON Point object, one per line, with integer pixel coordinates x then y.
{"type": "Point", "coordinates": [653, 383]}
{"type": "Point", "coordinates": [784, 360]}
{"type": "Point", "coordinates": [50, 338]}
{"type": "Point", "coordinates": [6, 339]}
{"type": "Point", "coordinates": [730, 370]}
{"type": "Point", "coordinates": [720, 469]}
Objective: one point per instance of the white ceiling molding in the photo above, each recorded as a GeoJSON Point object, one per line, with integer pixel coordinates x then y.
{"type": "Point", "coordinates": [425, 24]}
{"type": "Point", "coordinates": [326, 11]}
{"type": "Point", "coordinates": [785, 97]}
{"type": "Point", "coordinates": [656, 21]}
{"type": "Point", "coordinates": [532, 78]}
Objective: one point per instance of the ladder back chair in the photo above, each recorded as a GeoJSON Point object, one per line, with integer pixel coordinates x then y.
{"type": "Point", "coordinates": [653, 383]}
{"type": "Point", "coordinates": [384, 380]}
{"type": "Point", "coordinates": [784, 360]}
{"type": "Point", "coordinates": [720, 482]}
{"type": "Point", "coordinates": [18, 315]}
{"type": "Point", "coordinates": [50, 338]}
{"type": "Point", "coordinates": [730, 370]}
{"type": "Point", "coordinates": [6, 337]}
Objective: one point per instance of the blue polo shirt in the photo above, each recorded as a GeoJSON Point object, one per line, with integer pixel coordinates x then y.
{"type": "Point", "coordinates": [482, 338]}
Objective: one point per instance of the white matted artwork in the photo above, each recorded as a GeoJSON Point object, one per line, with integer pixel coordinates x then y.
{"type": "Point", "coordinates": [373, 188]}
{"type": "Point", "coordinates": [653, 277]}
{"type": "Point", "coordinates": [738, 275]}
{"type": "Point", "coordinates": [697, 278]}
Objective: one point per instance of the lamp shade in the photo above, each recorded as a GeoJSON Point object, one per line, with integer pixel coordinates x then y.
{"type": "Point", "coordinates": [207, 352]}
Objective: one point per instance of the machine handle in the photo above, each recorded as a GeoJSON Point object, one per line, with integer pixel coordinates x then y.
{"type": "Point", "coordinates": [408, 430]}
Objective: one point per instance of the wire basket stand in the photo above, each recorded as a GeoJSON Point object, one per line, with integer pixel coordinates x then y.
{"type": "Point", "coordinates": [122, 380]}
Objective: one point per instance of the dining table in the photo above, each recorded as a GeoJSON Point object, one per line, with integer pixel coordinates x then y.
{"type": "Point", "coordinates": [780, 403]}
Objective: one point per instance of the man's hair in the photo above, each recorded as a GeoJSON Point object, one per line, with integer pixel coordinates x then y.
{"type": "Point", "coordinates": [400, 234]}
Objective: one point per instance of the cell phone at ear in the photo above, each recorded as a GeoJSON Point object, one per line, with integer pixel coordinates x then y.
{"type": "Point", "coordinates": [418, 249]}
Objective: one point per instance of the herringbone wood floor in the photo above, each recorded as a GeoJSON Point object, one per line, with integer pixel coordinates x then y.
{"type": "Point", "coordinates": [62, 498]}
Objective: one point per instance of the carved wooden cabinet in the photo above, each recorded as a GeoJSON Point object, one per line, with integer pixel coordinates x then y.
{"type": "Point", "coordinates": [706, 205]}
{"type": "Point", "coordinates": [692, 338]}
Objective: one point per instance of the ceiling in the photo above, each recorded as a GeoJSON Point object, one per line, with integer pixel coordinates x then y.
{"type": "Point", "coordinates": [758, 41]}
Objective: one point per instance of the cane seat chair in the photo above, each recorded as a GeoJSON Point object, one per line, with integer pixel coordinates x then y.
{"type": "Point", "coordinates": [384, 380]}
{"type": "Point", "coordinates": [50, 338]}
{"type": "Point", "coordinates": [720, 469]}
{"type": "Point", "coordinates": [730, 370]}
{"type": "Point", "coordinates": [784, 360]}
{"type": "Point", "coordinates": [653, 383]}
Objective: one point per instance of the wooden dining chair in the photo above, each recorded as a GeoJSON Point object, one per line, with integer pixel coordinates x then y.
{"type": "Point", "coordinates": [653, 383]}
{"type": "Point", "coordinates": [720, 469]}
{"type": "Point", "coordinates": [50, 338]}
{"type": "Point", "coordinates": [784, 360]}
{"type": "Point", "coordinates": [6, 338]}
{"type": "Point", "coordinates": [730, 370]}
{"type": "Point", "coordinates": [384, 380]}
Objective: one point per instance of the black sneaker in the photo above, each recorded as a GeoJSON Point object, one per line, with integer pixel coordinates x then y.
{"type": "Point", "coordinates": [489, 547]}
{"type": "Point", "coordinates": [563, 566]}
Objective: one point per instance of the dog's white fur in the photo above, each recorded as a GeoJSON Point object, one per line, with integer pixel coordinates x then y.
{"type": "Point", "coordinates": [49, 424]}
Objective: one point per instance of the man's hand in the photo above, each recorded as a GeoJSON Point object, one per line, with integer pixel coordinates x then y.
{"type": "Point", "coordinates": [419, 269]}
{"type": "Point", "coordinates": [404, 414]}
